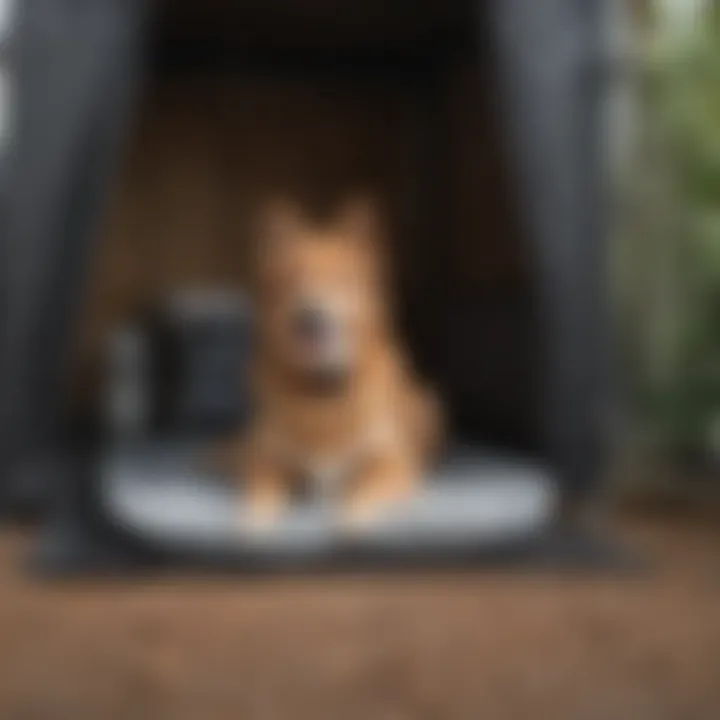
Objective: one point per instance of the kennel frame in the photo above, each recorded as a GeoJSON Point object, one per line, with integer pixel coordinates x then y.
{"type": "Point", "coordinates": [80, 64]}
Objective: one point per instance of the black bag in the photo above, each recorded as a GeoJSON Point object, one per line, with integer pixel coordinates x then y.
{"type": "Point", "coordinates": [184, 370]}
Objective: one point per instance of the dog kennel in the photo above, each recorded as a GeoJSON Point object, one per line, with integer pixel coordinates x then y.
{"type": "Point", "coordinates": [479, 125]}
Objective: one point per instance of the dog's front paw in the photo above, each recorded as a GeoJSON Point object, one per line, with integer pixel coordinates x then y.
{"type": "Point", "coordinates": [362, 513]}
{"type": "Point", "coordinates": [260, 515]}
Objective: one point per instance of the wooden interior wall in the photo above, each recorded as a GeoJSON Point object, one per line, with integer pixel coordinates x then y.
{"type": "Point", "coordinates": [205, 152]}
{"type": "Point", "coordinates": [482, 226]}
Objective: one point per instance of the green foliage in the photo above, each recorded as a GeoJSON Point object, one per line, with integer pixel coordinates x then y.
{"type": "Point", "coordinates": [682, 114]}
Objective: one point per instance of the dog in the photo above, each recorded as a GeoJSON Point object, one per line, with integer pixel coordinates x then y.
{"type": "Point", "coordinates": [337, 405]}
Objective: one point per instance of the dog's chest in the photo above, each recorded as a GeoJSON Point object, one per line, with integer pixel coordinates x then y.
{"type": "Point", "coordinates": [326, 441]}
{"type": "Point", "coordinates": [326, 464]}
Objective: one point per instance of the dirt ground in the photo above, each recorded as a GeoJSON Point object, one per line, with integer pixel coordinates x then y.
{"type": "Point", "coordinates": [472, 646]}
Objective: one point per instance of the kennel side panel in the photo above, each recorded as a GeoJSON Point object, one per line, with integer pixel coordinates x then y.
{"type": "Point", "coordinates": [76, 68]}
{"type": "Point", "coordinates": [546, 54]}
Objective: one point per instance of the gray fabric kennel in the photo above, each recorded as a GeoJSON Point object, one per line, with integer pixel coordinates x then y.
{"type": "Point", "coordinates": [76, 66]}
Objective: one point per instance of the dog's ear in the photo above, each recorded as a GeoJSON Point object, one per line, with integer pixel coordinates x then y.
{"type": "Point", "coordinates": [279, 224]}
{"type": "Point", "coordinates": [281, 221]}
{"type": "Point", "coordinates": [358, 220]}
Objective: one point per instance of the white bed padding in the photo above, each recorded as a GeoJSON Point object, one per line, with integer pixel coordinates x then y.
{"type": "Point", "coordinates": [163, 493]}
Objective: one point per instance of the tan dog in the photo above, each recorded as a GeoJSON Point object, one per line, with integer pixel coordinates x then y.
{"type": "Point", "coordinates": [336, 402]}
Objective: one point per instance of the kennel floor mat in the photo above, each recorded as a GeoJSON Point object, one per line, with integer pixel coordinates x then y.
{"type": "Point", "coordinates": [163, 493]}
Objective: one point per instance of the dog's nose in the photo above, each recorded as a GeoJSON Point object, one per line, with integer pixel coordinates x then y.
{"type": "Point", "coordinates": [310, 323]}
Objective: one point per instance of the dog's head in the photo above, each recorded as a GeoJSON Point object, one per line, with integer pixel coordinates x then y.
{"type": "Point", "coordinates": [320, 290]}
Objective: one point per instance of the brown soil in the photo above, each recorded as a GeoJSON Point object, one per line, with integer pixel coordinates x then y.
{"type": "Point", "coordinates": [473, 646]}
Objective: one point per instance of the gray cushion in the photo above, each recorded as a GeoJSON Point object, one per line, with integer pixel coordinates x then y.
{"type": "Point", "coordinates": [161, 492]}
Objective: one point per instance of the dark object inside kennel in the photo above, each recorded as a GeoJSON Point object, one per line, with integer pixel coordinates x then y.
{"type": "Point", "coordinates": [477, 124]}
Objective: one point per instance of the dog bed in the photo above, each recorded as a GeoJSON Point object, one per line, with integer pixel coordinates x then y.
{"type": "Point", "coordinates": [164, 494]}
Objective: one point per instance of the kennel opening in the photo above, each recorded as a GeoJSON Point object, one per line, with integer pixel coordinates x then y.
{"type": "Point", "coordinates": [473, 122]}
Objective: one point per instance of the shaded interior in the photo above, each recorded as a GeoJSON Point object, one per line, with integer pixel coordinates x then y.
{"type": "Point", "coordinates": [317, 98]}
